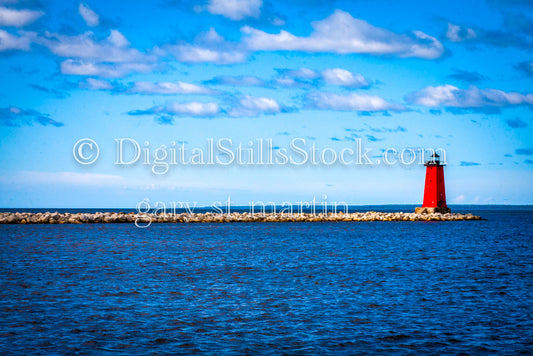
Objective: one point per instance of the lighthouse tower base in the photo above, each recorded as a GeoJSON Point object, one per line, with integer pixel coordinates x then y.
{"type": "Point", "coordinates": [423, 210]}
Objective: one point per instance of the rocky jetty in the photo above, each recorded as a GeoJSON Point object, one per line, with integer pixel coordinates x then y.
{"type": "Point", "coordinates": [147, 219]}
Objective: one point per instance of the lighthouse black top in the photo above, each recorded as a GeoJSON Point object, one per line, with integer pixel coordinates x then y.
{"type": "Point", "coordinates": [434, 161]}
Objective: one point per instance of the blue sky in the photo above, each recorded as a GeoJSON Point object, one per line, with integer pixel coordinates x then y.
{"type": "Point", "coordinates": [455, 75]}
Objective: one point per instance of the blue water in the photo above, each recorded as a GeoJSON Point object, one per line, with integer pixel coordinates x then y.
{"type": "Point", "coordinates": [261, 288]}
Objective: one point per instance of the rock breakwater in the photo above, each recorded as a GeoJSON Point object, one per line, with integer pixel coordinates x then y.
{"type": "Point", "coordinates": [146, 219]}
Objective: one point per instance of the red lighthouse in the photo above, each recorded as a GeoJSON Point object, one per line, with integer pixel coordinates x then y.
{"type": "Point", "coordinates": [434, 191]}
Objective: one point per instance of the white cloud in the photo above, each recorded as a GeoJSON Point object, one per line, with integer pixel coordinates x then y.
{"type": "Point", "coordinates": [341, 33]}
{"type": "Point", "coordinates": [194, 109]}
{"type": "Point", "coordinates": [235, 9]}
{"type": "Point", "coordinates": [18, 18]}
{"type": "Point", "coordinates": [351, 102]}
{"type": "Point", "coordinates": [344, 78]}
{"type": "Point", "coordinates": [278, 22]}
{"type": "Point", "coordinates": [260, 104]}
{"type": "Point", "coordinates": [114, 48]}
{"type": "Point", "coordinates": [80, 67]}
{"type": "Point", "coordinates": [96, 84]}
{"type": "Point", "coordinates": [117, 39]}
{"type": "Point", "coordinates": [305, 77]}
{"type": "Point", "coordinates": [195, 54]}
{"type": "Point", "coordinates": [210, 36]}
{"type": "Point", "coordinates": [10, 42]}
{"type": "Point", "coordinates": [457, 34]}
{"type": "Point", "coordinates": [168, 88]}
{"type": "Point", "coordinates": [301, 73]}
{"type": "Point", "coordinates": [209, 47]}
{"type": "Point", "coordinates": [287, 82]}
{"type": "Point", "coordinates": [459, 199]}
{"type": "Point", "coordinates": [471, 98]}
{"type": "Point", "coordinates": [163, 88]}
{"type": "Point", "coordinates": [247, 106]}
{"type": "Point", "coordinates": [254, 106]}
{"type": "Point", "coordinates": [302, 77]}
{"type": "Point", "coordinates": [13, 116]}
{"type": "Point", "coordinates": [111, 57]}
{"type": "Point", "coordinates": [91, 18]}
